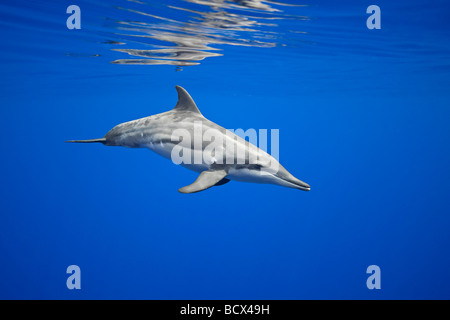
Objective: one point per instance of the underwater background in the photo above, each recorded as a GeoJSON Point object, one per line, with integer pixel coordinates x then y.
{"type": "Point", "coordinates": [363, 116]}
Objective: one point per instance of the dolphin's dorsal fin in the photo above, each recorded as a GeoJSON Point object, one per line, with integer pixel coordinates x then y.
{"type": "Point", "coordinates": [185, 102]}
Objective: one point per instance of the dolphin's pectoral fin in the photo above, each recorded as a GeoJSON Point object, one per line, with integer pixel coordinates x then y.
{"type": "Point", "coordinates": [222, 182]}
{"type": "Point", "coordinates": [205, 180]}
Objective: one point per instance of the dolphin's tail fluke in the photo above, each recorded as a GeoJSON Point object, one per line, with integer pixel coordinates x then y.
{"type": "Point", "coordinates": [102, 140]}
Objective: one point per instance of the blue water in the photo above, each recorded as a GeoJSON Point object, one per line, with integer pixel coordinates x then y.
{"type": "Point", "coordinates": [363, 117]}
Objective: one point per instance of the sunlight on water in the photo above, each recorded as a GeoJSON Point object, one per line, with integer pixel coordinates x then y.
{"type": "Point", "coordinates": [186, 41]}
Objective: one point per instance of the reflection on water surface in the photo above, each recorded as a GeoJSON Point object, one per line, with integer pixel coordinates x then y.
{"type": "Point", "coordinates": [205, 24]}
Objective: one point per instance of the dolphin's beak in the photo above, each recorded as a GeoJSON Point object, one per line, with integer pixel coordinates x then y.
{"type": "Point", "coordinates": [302, 185]}
{"type": "Point", "coordinates": [295, 183]}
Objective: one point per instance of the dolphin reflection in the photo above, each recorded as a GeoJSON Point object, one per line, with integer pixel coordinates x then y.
{"type": "Point", "coordinates": [248, 23]}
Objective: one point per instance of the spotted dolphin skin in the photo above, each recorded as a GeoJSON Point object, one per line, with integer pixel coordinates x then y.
{"type": "Point", "coordinates": [185, 131]}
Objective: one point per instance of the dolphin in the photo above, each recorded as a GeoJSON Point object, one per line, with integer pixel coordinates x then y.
{"type": "Point", "coordinates": [232, 158]}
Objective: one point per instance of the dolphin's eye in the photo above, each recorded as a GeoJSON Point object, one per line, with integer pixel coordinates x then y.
{"type": "Point", "coordinates": [255, 166]}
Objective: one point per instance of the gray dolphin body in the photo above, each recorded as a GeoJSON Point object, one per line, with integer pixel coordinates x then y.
{"type": "Point", "coordinates": [248, 162]}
